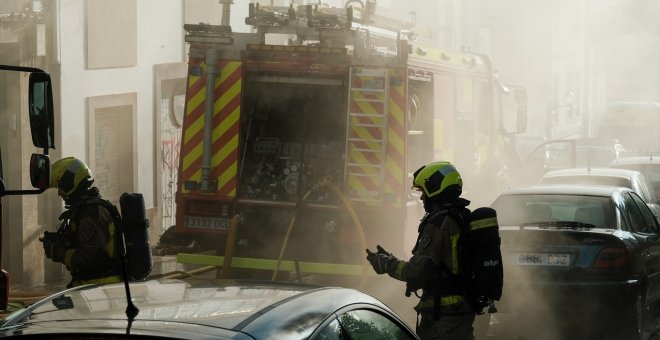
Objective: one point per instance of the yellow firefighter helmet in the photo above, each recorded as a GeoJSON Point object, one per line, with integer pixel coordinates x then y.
{"type": "Point", "coordinates": [437, 178]}
{"type": "Point", "coordinates": [70, 174]}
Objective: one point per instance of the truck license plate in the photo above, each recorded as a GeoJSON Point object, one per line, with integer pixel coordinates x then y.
{"type": "Point", "coordinates": [202, 222]}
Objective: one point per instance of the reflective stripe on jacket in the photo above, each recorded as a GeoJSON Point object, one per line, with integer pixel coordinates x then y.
{"type": "Point", "coordinates": [448, 300]}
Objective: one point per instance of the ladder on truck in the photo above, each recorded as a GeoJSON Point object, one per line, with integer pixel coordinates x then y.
{"type": "Point", "coordinates": [367, 134]}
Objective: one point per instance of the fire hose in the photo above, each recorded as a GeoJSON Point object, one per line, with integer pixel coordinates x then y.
{"type": "Point", "coordinates": [356, 223]}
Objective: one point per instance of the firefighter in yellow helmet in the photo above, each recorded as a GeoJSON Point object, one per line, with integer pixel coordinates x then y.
{"type": "Point", "coordinates": [435, 267]}
{"type": "Point", "coordinates": [86, 239]}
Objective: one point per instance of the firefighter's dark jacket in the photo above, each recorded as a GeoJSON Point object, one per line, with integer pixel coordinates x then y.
{"type": "Point", "coordinates": [438, 244]}
{"type": "Point", "coordinates": [89, 234]}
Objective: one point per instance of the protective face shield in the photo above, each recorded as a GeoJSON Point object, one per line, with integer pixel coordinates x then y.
{"type": "Point", "coordinates": [70, 175]}
{"type": "Point", "coordinates": [438, 178]}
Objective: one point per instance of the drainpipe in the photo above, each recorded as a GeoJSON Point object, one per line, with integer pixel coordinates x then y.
{"type": "Point", "coordinates": [209, 184]}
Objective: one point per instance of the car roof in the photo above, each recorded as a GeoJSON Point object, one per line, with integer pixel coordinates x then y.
{"type": "Point", "coordinates": [589, 143]}
{"type": "Point", "coordinates": [636, 160]}
{"type": "Point", "coordinates": [203, 305]}
{"type": "Point", "coordinates": [566, 189]}
{"type": "Point", "coordinates": [611, 172]}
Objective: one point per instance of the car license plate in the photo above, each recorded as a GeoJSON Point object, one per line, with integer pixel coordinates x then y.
{"type": "Point", "coordinates": [541, 259]}
{"type": "Point", "coordinates": [202, 222]}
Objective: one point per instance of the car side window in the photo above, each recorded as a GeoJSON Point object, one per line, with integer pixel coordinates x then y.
{"type": "Point", "coordinates": [633, 214]}
{"type": "Point", "coordinates": [362, 324]}
{"type": "Point", "coordinates": [333, 331]}
{"type": "Point", "coordinates": [640, 214]}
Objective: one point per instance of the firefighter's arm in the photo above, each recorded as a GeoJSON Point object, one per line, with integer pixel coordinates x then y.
{"type": "Point", "coordinates": [422, 266]}
{"type": "Point", "coordinates": [53, 247]}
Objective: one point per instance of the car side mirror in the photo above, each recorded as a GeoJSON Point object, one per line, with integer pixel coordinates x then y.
{"type": "Point", "coordinates": [40, 171]}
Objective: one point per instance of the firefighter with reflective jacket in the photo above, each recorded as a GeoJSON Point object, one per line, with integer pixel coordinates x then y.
{"type": "Point", "coordinates": [443, 312]}
{"type": "Point", "coordinates": [85, 241]}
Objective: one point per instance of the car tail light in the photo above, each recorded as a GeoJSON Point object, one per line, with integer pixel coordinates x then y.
{"type": "Point", "coordinates": [612, 260]}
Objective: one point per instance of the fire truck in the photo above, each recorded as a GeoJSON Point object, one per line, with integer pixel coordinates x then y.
{"type": "Point", "coordinates": [303, 134]}
{"type": "Point", "coordinates": [40, 110]}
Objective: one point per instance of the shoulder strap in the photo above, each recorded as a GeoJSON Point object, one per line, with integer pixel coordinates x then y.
{"type": "Point", "coordinates": [461, 219]}
{"type": "Point", "coordinates": [116, 216]}
{"type": "Point", "coordinates": [435, 217]}
{"type": "Point", "coordinates": [111, 207]}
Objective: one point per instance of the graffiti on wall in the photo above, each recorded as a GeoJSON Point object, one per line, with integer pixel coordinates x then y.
{"type": "Point", "coordinates": [169, 148]}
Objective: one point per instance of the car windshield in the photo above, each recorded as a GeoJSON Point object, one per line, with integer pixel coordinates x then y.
{"type": "Point", "coordinates": [518, 210]}
{"type": "Point", "coordinates": [589, 179]}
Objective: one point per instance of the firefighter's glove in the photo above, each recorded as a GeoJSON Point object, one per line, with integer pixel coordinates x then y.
{"type": "Point", "coordinates": [53, 248]}
{"type": "Point", "coordinates": [382, 261]}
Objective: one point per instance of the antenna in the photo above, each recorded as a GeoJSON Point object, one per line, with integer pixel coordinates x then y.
{"type": "Point", "coordinates": [131, 310]}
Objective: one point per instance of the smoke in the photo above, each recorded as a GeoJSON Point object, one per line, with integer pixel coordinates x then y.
{"type": "Point", "coordinates": [571, 57]}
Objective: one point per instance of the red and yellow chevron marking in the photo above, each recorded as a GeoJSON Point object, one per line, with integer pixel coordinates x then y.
{"type": "Point", "coordinates": [395, 174]}
{"type": "Point", "coordinates": [226, 114]}
{"type": "Point", "coordinates": [368, 155]}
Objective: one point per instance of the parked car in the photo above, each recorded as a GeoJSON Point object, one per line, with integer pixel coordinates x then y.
{"type": "Point", "coordinates": [632, 179]}
{"type": "Point", "coordinates": [586, 257]}
{"type": "Point", "coordinates": [648, 165]}
{"type": "Point", "coordinates": [209, 308]}
{"type": "Point", "coordinates": [563, 154]}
